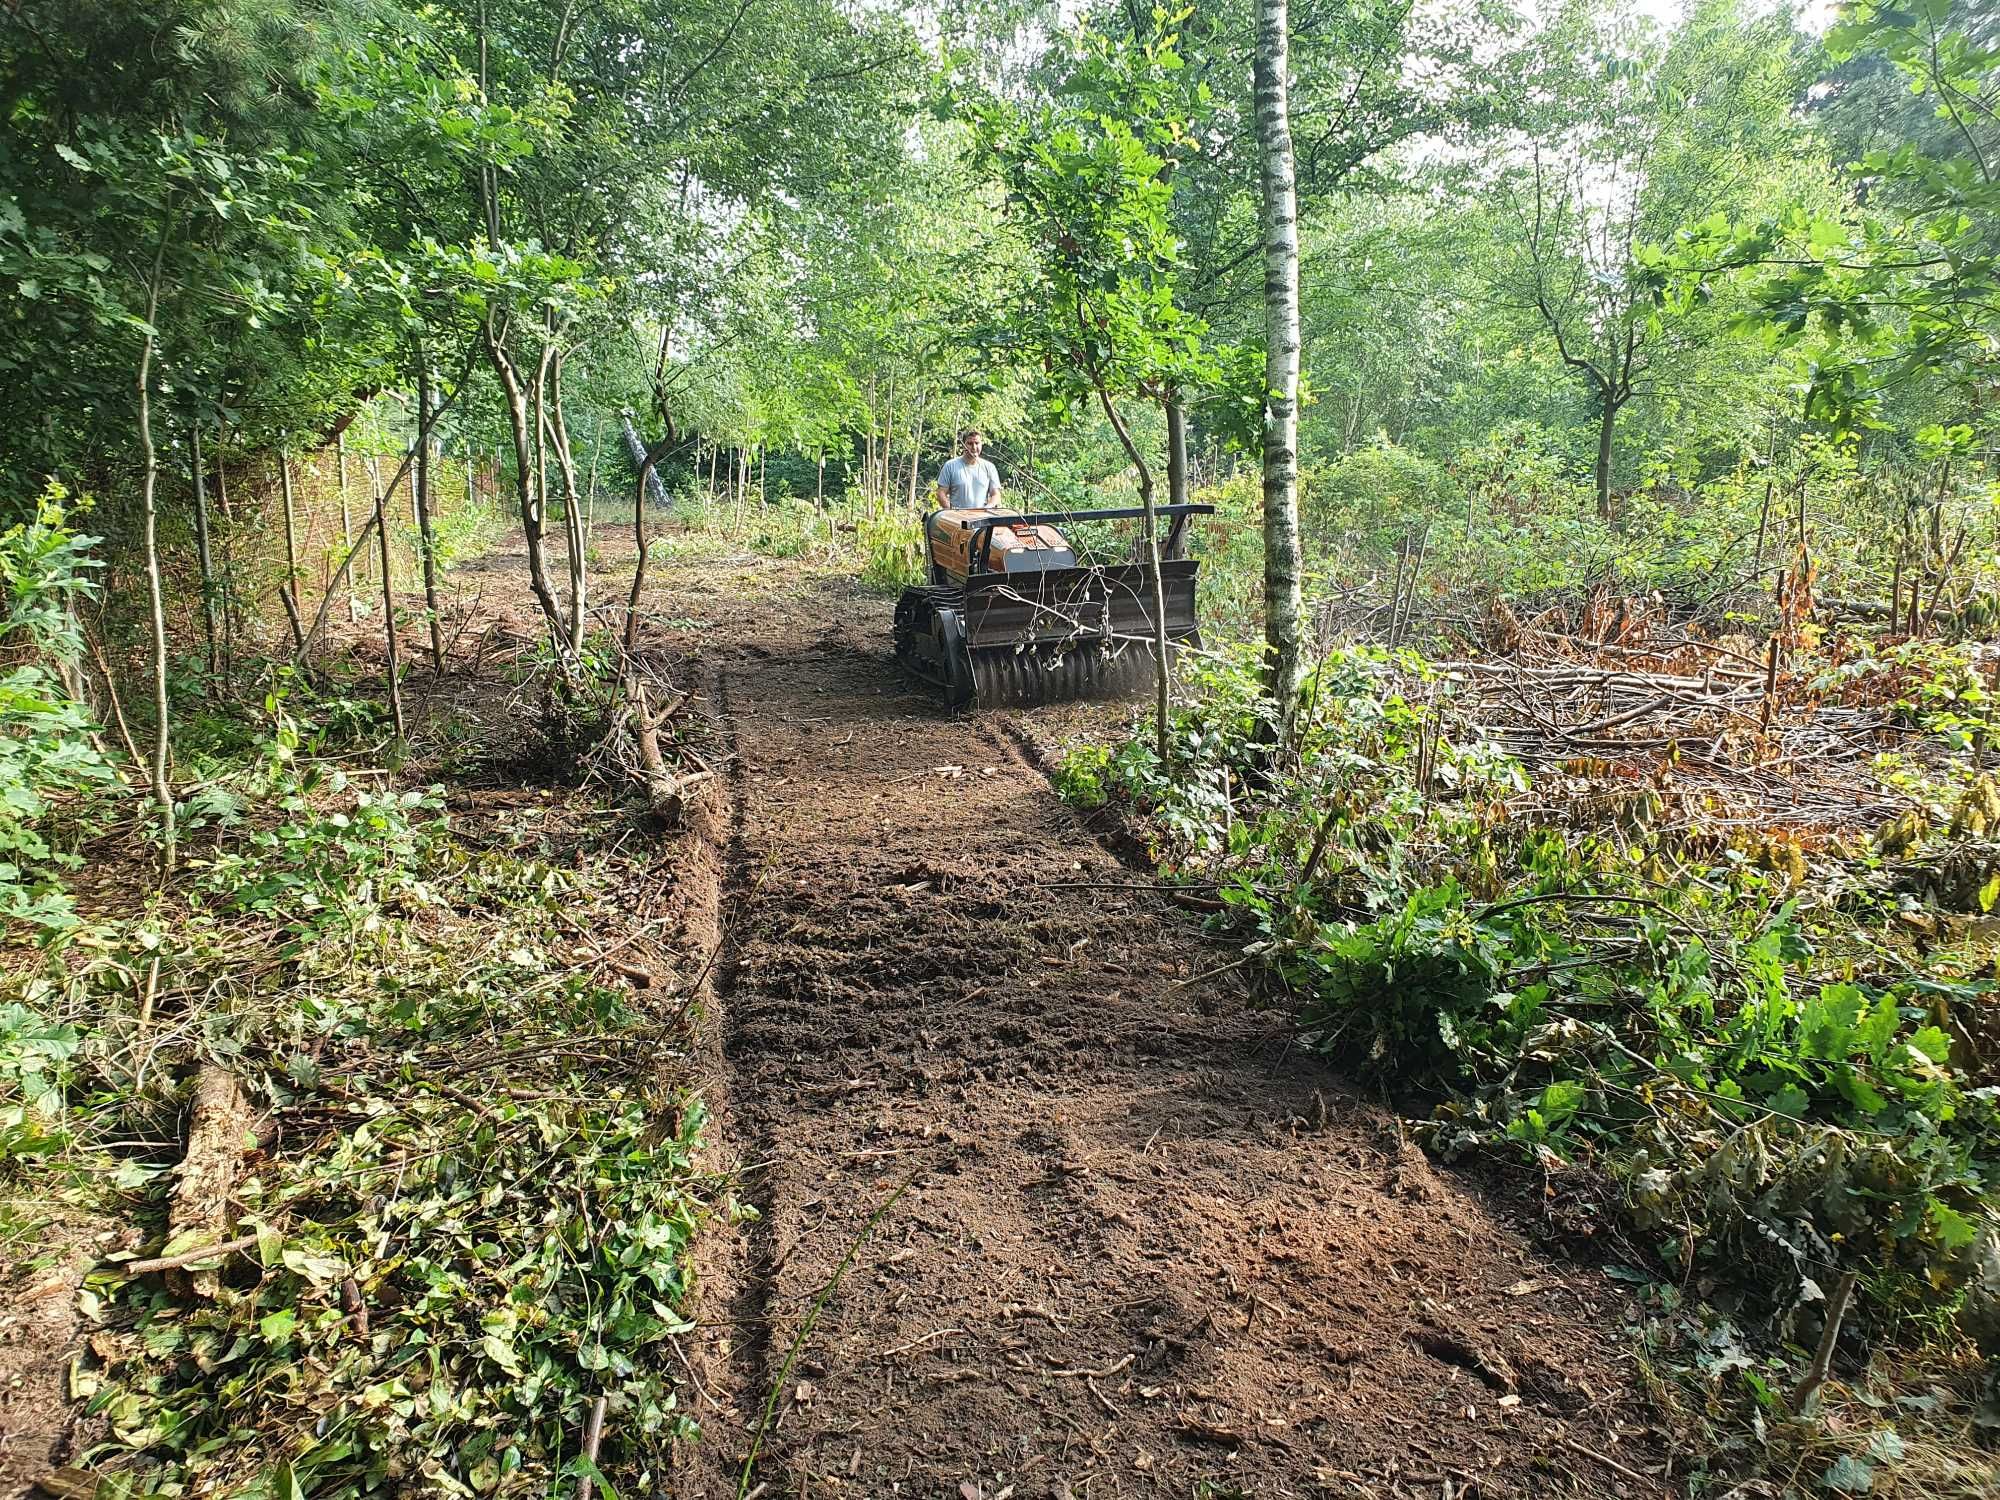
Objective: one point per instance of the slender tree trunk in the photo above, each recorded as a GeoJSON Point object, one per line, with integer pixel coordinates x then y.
{"type": "Point", "coordinates": [204, 557]}
{"type": "Point", "coordinates": [652, 460]}
{"type": "Point", "coordinates": [388, 605]}
{"type": "Point", "coordinates": [1150, 540]}
{"type": "Point", "coordinates": [763, 493]}
{"type": "Point", "coordinates": [1283, 627]}
{"type": "Point", "coordinates": [883, 479]}
{"type": "Point", "coordinates": [590, 500]}
{"type": "Point", "coordinates": [344, 572]}
{"type": "Point", "coordinates": [868, 453]}
{"type": "Point", "coordinates": [226, 578]}
{"type": "Point", "coordinates": [426, 539]}
{"type": "Point", "coordinates": [1607, 421]}
{"type": "Point", "coordinates": [163, 795]}
{"type": "Point", "coordinates": [819, 482]}
{"type": "Point", "coordinates": [916, 449]}
{"type": "Point", "coordinates": [1764, 515]}
{"type": "Point", "coordinates": [347, 529]}
{"type": "Point", "coordinates": [1177, 454]}
{"type": "Point", "coordinates": [290, 592]}
{"type": "Point", "coordinates": [527, 492]}
{"type": "Point", "coordinates": [558, 440]}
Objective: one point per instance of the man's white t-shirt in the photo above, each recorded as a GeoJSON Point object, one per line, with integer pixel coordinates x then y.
{"type": "Point", "coordinates": [968, 484]}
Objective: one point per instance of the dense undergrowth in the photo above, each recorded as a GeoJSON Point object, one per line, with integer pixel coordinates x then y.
{"type": "Point", "coordinates": [459, 1163]}
{"type": "Point", "coordinates": [1769, 1045]}
{"type": "Point", "coordinates": [1508, 519]}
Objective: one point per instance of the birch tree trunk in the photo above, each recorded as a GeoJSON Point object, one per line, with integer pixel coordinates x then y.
{"type": "Point", "coordinates": [1177, 454]}
{"type": "Point", "coordinates": [1283, 630]}
{"type": "Point", "coordinates": [204, 556]}
{"type": "Point", "coordinates": [149, 485]}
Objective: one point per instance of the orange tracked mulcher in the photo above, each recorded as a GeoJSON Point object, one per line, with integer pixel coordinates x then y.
{"type": "Point", "coordinates": [1011, 616]}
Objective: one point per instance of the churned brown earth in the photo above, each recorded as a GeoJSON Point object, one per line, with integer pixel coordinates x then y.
{"type": "Point", "coordinates": [1033, 1202]}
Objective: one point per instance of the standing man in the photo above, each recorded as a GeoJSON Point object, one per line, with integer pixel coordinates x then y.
{"type": "Point", "coordinates": [968, 481]}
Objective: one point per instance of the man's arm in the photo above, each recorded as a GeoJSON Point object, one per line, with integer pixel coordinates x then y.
{"type": "Point", "coordinates": [993, 491]}
{"type": "Point", "coordinates": [943, 484]}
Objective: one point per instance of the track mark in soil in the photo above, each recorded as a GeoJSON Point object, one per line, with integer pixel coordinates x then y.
{"type": "Point", "coordinates": [1143, 1246]}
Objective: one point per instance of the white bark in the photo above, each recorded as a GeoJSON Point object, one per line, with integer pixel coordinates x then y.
{"type": "Point", "coordinates": [149, 485]}
{"type": "Point", "coordinates": [1283, 629]}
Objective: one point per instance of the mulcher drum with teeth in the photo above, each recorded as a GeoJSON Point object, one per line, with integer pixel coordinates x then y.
{"type": "Point", "coordinates": [1010, 617]}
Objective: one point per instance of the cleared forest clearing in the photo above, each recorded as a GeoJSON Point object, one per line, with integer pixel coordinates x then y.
{"type": "Point", "coordinates": [507, 990]}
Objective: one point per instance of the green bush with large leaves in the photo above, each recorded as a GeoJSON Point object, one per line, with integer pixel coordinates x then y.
{"type": "Point", "coordinates": [1768, 1113]}
{"type": "Point", "coordinates": [50, 759]}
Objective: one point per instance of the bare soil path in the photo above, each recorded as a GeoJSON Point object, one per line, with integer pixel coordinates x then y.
{"type": "Point", "coordinates": [1041, 1208]}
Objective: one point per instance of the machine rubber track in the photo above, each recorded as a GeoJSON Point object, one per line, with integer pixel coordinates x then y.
{"type": "Point", "coordinates": [930, 640]}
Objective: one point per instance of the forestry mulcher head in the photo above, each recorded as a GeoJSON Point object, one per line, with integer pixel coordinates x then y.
{"type": "Point", "coordinates": [1010, 616]}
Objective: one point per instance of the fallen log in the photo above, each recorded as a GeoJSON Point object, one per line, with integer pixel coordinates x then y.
{"type": "Point", "coordinates": [219, 1125]}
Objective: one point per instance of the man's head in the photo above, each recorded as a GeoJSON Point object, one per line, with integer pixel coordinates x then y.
{"type": "Point", "coordinates": [970, 442]}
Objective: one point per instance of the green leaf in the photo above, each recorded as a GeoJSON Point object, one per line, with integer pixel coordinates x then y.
{"type": "Point", "coordinates": [1933, 1043]}
{"type": "Point", "coordinates": [1562, 1099]}
{"type": "Point", "coordinates": [501, 1353]}
{"type": "Point", "coordinates": [1858, 1091]}
{"type": "Point", "coordinates": [584, 1468]}
{"type": "Point", "coordinates": [1791, 1100]}
{"type": "Point", "coordinates": [1849, 1475]}
{"type": "Point", "coordinates": [1954, 1231]}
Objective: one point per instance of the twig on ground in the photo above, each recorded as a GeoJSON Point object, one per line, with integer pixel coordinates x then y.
{"type": "Point", "coordinates": [131, 1268]}
{"type": "Point", "coordinates": [1104, 1374]}
{"type": "Point", "coordinates": [1609, 1463]}
{"type": "Point", "coordinates": [1806, 1397]}
{"type": "Point", "coordinates": [919, 1343]}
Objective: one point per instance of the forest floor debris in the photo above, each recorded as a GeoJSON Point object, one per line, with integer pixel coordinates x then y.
{"type": "Point", "coordinates": [1712, 948]}
{"type": "Point", "coordinates": [428, 1053]}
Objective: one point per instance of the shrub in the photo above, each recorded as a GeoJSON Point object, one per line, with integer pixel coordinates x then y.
{"type": "Point", "coordinates": [49, 756]}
